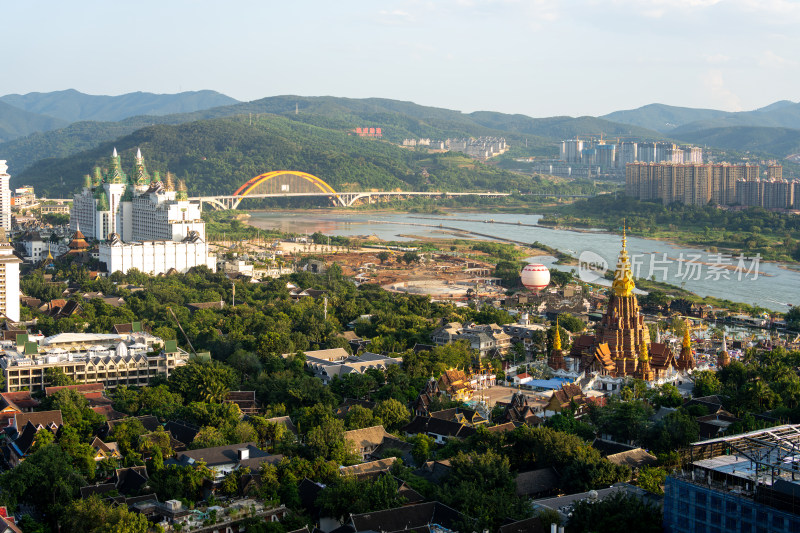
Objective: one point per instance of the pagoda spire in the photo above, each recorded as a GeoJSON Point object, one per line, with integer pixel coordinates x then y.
{"type": "Point", "coordinates": [557, 338]}
{"type": "Point", "coordinates": [623, 277]}
{"type": "Point", "coordinates": [114, 153]}
{"type": "Point", "coordinates": [687, 336]}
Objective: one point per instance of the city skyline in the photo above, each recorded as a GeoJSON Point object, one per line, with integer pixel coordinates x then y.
{"type": "Point", "coordinates": [540, 58]}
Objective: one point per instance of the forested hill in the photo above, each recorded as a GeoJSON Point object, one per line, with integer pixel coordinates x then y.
{"type": "Point", "coordinates": [216, 156]}
{"type": "Point", "coordinates": [397, 119]}
{"type": "Point", "coordinates": [16, 122]}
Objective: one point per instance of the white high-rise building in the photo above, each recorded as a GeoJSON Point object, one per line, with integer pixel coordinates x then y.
{"type": "Point", "coordinates": [5, 196]}
{"type": "Point", "coordinates": [151, 223]}
{"type": "Point", "coordinates": [9, 280]}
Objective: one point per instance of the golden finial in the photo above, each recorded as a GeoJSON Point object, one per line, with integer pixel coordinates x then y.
{"type": "Point", "coordinates": [557, 339]}
{"type": "Point", "coordinates": [687, 336]}
{"type": "Point", "coordinates": [170, 184]}
{"type": "Point", "coordinates": [623, 277]}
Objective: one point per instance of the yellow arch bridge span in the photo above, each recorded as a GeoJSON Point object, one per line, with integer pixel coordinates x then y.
{"type": "Point", "coordinates": [294, 184]}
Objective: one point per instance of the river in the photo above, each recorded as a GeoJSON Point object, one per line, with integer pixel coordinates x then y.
{"type": "Point", "coordinates": [760, 283]}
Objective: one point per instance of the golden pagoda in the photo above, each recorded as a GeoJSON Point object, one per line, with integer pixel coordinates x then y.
{"type": "Point", "coordinates": [556, 359]}
{"type": "Point", "coordinates": [724, 358]}
{"type": "Point", "coordinates": [620, 345]}
{"type": "Point", "coordinates": [686, 360]}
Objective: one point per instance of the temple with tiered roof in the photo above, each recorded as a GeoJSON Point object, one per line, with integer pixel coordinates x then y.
{"type": "Point", "coordinates": [620, 346]}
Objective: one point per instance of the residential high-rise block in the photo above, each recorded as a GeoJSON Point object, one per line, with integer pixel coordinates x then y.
{"type": "Point", "coordinates": [9, 280]}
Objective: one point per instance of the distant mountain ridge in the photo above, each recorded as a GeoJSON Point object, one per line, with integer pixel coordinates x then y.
{"type": "Point", "coordinates": [674, 121]}
{"type": "Point", "coordinates": [73, 106]}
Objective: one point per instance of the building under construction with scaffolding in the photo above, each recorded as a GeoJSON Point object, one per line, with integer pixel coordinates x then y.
{"type": "Point", "coordinates": [744, 483]}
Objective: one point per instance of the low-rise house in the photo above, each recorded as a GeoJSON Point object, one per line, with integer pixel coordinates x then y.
{"type": "Point", "coordinates": [439, 430]}
{"type": "Point", "coordinates": [181, 431]}
{"type": "Point", "coordinates": [366, 440]}
{"type": "Point", "coordinates": [538, 483]}
{"type": "Point", "coordinates": [461, 415]}
{"type": "Point", "coordinates": [286, 422]}
{"type": "Point", "coordinates": [330, 364]}
{"type": "Point", "coordinates": [149, 422]}
{"type": "Point", "coordinates": [522, 379]}
{"type": "Point", "coordinates": [223, 460]}
{"type": "Point", "coordinates": [105, 450]}
{"type": "Point", "coordinates": [428, 516]}
{"type": "Point", "coordinates": [368, 469]}
{"type": "Point", "coordinates": [12, 403]}
{"type": "Point", "coordinates": [393, 445]}
{"type": "Point", "coordinates": [520, 410]}
{"type": "Point", "coordinates": [569, 394]}
{"type": "Point", "coordinates": [246, 400]}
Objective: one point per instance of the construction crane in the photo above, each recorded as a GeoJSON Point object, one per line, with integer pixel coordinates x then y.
{"type": "Point", "coordinates": [185, 336]}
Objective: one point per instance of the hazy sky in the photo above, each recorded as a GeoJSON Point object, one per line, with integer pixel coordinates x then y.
{"type": "Point", "coordinates": [536, 57]}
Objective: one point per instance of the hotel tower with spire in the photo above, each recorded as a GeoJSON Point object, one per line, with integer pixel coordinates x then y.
{"type": "Point", "coordinates": [140, 221]}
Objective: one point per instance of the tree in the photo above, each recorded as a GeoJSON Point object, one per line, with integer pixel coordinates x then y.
{"type": "Point", "coordinates": [606, 515]}
{"type": "Point", "coordinates": [45, 480]}
{"type": "Point", "coordinates": [422, 447]}
{"type": "Point", "coordinates": [75, 411]}
{"type": "Point", "coordinates": [706, 383]}
{"type": "Point", "coordinates": [393, 413]}
{"type": "Point", "coordinates": [383, 256]}
{"type": "Point", "coordinates": [358, 417]}
{"type": "Point", "coordinates": [411, 257]}
{"type": "Point", "coordinates": [208, 437]}
{"type": "Point", "coordinates": [126, 433]}
{"type": "Point", "coordinates": [571, 323]}
{"type": "Point", "coordinates": [482, 486]}
{"type": "Point", "coordinates": [202, 381]}
{"type": "Point", "coordinates": [92, 515]}
{"type": "Point", "coordinates": [55, 377]}
{"type": "Point", "coordinates": [327, 441]}
{"type": "Point", "coordinates": [652, 479]}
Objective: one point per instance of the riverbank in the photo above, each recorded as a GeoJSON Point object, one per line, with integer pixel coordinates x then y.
{"type": "Point", "coordinates": [770, 235]}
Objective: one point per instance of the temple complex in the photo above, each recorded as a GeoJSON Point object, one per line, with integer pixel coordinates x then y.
{"type": "Point", "coordinates": [620, 346]}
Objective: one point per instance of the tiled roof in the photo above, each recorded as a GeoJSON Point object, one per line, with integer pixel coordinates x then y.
{"type": "Point", "coordinates": [82, 388]}
{"type": "Point", "coordinates": [537, 481]}
{"type": "Point", "coordinates": [39, 418]}
{"type": "Point", "coordinates": [410, 517]}
{"type": "Point", "coordinates": [367, 437]}
{"type": "Point", "coordinates": [368, 468]}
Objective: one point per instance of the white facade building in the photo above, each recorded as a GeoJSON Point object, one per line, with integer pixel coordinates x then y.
{"type": "Point", "coordinates": [5, 196]}
{"type": "Point", "coordinates": [9, 280]}
{"type": "Point", "coordinates": [141, 222]}
{"type": "Point", "coordinates": [156, 257]}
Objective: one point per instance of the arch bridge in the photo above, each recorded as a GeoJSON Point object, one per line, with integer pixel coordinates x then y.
{"type": "Point", "coordinates": [294, 184]}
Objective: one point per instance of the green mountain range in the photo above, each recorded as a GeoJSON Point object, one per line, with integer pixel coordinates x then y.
{"type": "Point", "coordinates": [311, 133]}
{"type": "Point", "coordinates": [216, 156]}
{"type": "Point", "coordinates": [73, 106]}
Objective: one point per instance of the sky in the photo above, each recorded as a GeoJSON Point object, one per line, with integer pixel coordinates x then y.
{"type": "Point", "coordinates": [534, 57]}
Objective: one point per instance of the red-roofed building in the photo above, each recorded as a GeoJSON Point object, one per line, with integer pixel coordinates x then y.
{"type": "Point", "coordinates": [522, 379]}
